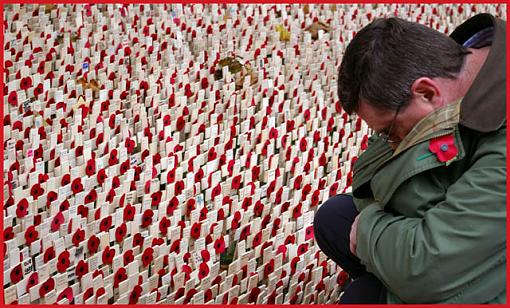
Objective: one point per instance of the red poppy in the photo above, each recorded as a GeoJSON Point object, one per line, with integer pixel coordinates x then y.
{"type": "Point", "coordinates": [199, 175]}
{"type": "Point", "coordinates": [203, 270]}
{"type": "Point", "coordinates": [130, 145]}
{"type": "Point", "coordinates": [110, 196]}
{"type": "Point", "coordinates": [315, 198]}
{"type": "Point", "coordinates": [257, 239]}
{"type": "Point", "coordinates": [309, 233]}
{"type": "Point", "coordinates": [444, 148]}
{"type": "Point", "coordinates": [244, 233]}
{"type": "Point", "coordinates": [66, 179]}
{"type": "Point", "coordinates": [68, 294]}
{"type": "Point", "coordinates": [190, 206]}
{"type": "Point", "coordinates": [211, 154]}
{"type": "Point", "coordinates": [186, 269]}
{"type": "Point", "coordinates": [63, 261]}
{"type": "Point", "coordinates": [120, 232]}
{"type": "Point", "coordinates": [119, 276]}
{"type": "Point", "coordinates": [190, 295]}
{"type": "Point", "coordinates": [78, 237]}
{"type": "Point", "coordinates": [90, 197]}
{"type": "Point", "coordinates": [179, 187]}
{"type": "Point", "coordinates": [255, 172]}
{"type": "Point", "coordinates": [163, 225]}
{"type": "Point", "coordinates": [236, 220]}
{"type": "Point", "coordinates": [129, 212]}
{"type": "Point", "coordinates": [147, 218]}
{"type": "Point", "coordinates": [43, 178]}
{"type": "Point", "coordinates": [303, 144]}
{"type": "Point", "coordinates": [156, 198]}
{"type": "Point", "coordinates": [296, 211]}
{"type": "Point", "coordinates": [8, 233]}
{"type": "Point", "coordinates": [180, 123]}
{"type": "Point", "coordinates": [179, 293]}
{"type": "Point", "coordinates": [49, 254]}
{"type": "Point", "coordinates": [147, 256]}
{"type": "Point", "coordinates": [77, 186]}
{"type": "Point", "coordinates": [128, 257]}
{"type": "Point", "coordinates": [113, 159]}
{"type": "Point", "coordinates": [172, 205]}
{"type": "Point", "coordinates": [291, 239]}
{"type": "Point", "coordinates": [138, 240]}
{"type": "Point", "coordinates": [100, 292]}
{"type": "Point", "coordinates": [216, 191]}
{"type": "Point", "coordinates": [82, 268]}
{"type": "Point", "coordinates": [115, 182]}
{"type": "Point", "coordinates": [33, 280]}
{"type": "Point", "coordinates": [88, 294]}
{"type": "Point", "coordinates": [302, 248]}
{"type": "Point", "coordinates": [320, 286]}
{"type": "Point", "coordinates": [282, 249]}
{"type": "Point", "coordinates": [101, 176]}
{"type": "Point", "coordinates": [170, 177]}
{"type": "Point", "coordinates": [13, 98]}
{"type": "Point", "coordinates": [342, 278]}
{"type": "Point", "coordinates": [186, 257]}
{"type": "Point", "coordinates": [46, 287]}
{"type": "Point", "coordinates": [22, 208]}
{"type": "Point", "coordinates": [220, 215]}
{"type": "Point", "coordinates": [206, 256]}
{"type": "Point", "coordinates": [349, 179]}
{"type": "Point", "coordinates": [224, 300]}
{"type": "Point", "coordinates": [93, 244]}
{"type": "Point", "coordinates": [195, 230]}
{"type": "Point", "coordinates": [90, 168]}
{"type": "Point", "coordinates": [135, 295]}
{"type": "Point", "coordinates": [208, 295]}
{"type": "Point", "coordinates": [176, 247]}
{"type": "Point", "coordinates": [203, 213]}
{"type": "Point", "coordinates": [16, 274]}
{"type": "Point", "coordinates": [246, 203]}
{"type": "Point", "coordinates": [268, 268]}
{"type": "Point", "coordinates": [166, 120]}
{"type": "Point", "coordinates": [108, 255]}
{"type": "Point", "coordinates": [31, 235]}
{"type": "Point", "coordinates": [124, 167]}
{"type": "Point", "coordinates": [271, 187]}
{"type": "Point", "coordinates": [258, 208]}
{"type": "Point", "coordinates": [276, 226]}
{"type": "Point", "coordinates": [25, 83]}
{"type": "Point", "coordinates": [157, 241]}
{"type": "Point", "coordinates": [265, 221]}
{"type": "Point", "coordinates": [36, 191]}
{"type": "Point", "coordinates": [105, 224]}
{"type": "Point", "coordinates": [64, 206]}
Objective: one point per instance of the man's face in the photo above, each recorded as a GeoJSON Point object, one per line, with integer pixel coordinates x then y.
{"type": "Point", "coordinates": [389, 122]}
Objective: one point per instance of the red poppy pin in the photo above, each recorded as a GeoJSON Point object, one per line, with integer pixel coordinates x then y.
{"type": "Point", "coordinates": [443, 147]}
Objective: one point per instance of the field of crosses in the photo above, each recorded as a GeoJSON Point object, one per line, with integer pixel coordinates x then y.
{"type": "Point", "coordinates": [178, 153]}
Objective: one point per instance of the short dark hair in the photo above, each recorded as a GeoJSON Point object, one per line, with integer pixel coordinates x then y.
{"type": "Point", "coordinates": [384, 58]}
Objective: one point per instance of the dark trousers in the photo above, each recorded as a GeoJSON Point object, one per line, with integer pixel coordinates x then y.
{"type": "Point", "coordinates": [332, 226]}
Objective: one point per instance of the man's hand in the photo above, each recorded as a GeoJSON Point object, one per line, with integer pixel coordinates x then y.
{"type": "Point", "coordinates": [352, 236]}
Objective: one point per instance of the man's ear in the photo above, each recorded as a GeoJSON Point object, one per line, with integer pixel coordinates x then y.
{"type": "Point", "coordinates": [428, 91]}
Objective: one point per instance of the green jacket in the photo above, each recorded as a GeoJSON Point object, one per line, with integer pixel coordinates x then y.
{"type": "Point", "coordinates": [435, 232]}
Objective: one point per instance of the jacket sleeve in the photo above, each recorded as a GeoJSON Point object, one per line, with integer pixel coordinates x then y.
{"type": "Point", "coordinates": [432, 258]}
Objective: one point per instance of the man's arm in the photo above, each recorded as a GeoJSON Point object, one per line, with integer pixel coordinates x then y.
{"type": "Point", "coordinates": [432, 258]}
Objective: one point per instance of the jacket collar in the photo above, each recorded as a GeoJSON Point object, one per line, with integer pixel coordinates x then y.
{"type": "Point", "coordinates": [484, 107]}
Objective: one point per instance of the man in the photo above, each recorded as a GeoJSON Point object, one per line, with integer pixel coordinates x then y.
{"type": "Point", "coordinates": [426, 219]}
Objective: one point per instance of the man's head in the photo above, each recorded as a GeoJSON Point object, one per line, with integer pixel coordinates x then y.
{"type": "Point", "coordinates": [394, 65]}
